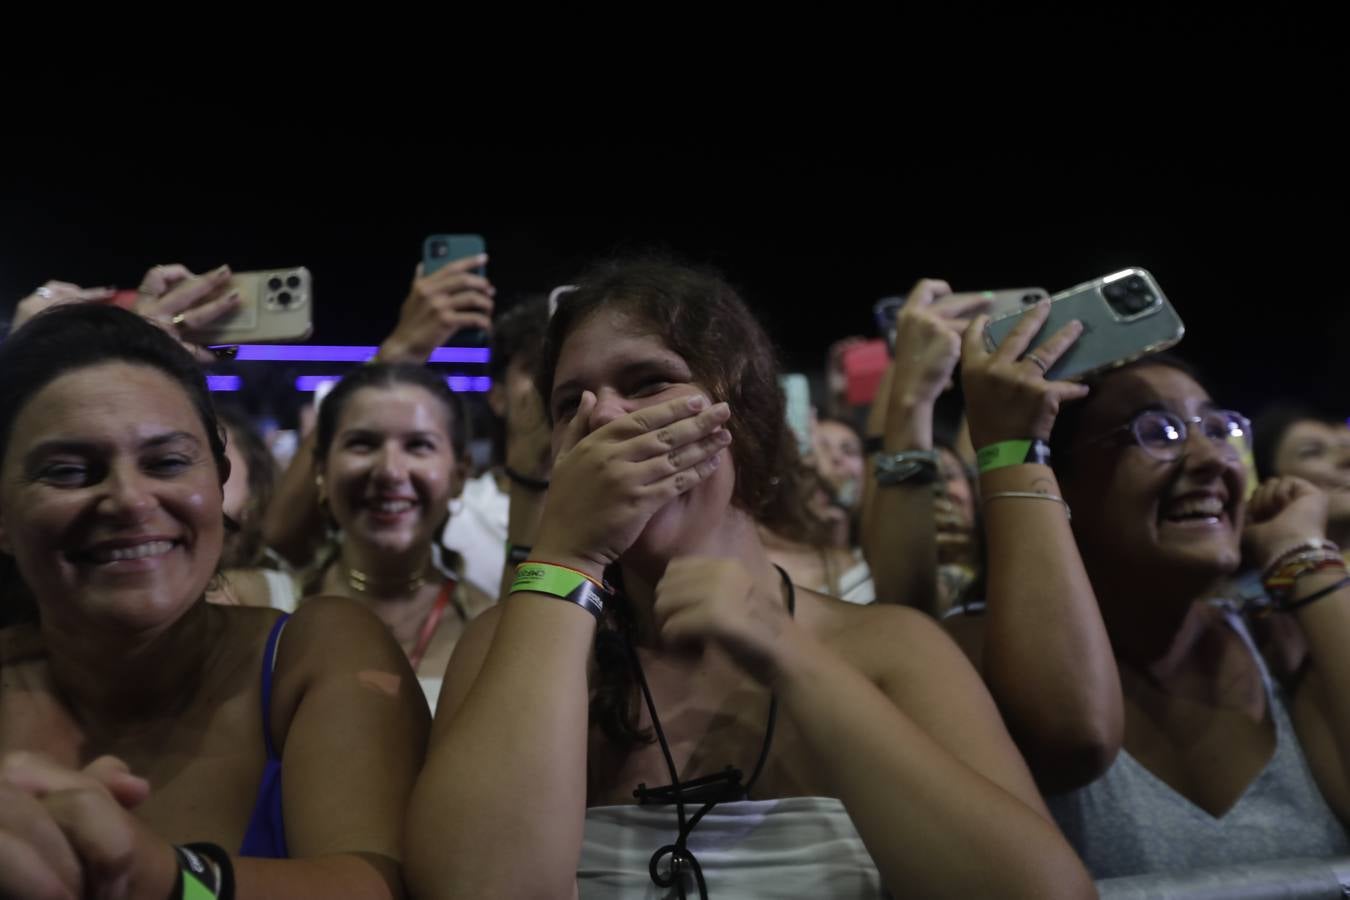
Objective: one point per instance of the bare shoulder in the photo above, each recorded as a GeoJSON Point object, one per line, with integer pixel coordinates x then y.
{"type": "Point", "coordinates": [335, 625]}
{"type": "Point", "coordinates": [883, 640]}
{"type": "Point", "coordinates": [336, 653]}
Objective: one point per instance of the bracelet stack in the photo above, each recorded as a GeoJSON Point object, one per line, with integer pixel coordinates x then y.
{"type": "Point", "coordinates": [1305, 558]}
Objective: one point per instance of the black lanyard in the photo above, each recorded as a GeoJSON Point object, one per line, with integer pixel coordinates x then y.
{"type": "Point", "coordinates": [709, 790]}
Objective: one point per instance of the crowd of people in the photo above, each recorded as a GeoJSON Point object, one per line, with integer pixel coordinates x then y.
{"type": "Point", "coordinates": [656, 646]}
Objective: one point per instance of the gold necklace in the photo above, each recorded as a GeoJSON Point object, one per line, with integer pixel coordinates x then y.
{"type": "Point", "coordinates": [362, 583]}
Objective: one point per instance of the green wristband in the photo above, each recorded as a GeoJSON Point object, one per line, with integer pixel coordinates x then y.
{"type": "Point", "coordinates": [194, 889]}
{"type": "Point", "coordinates": [1012, 453]}
{"type": "Point", "coordinates": [561, 582]}
{"type": "Point", "coordinates": [196, 879]}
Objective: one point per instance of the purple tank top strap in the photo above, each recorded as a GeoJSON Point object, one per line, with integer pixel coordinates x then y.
{"type": "Point", "coordinates": [266, 834]}
{"type": "Point", "coordinates": [269, 664]}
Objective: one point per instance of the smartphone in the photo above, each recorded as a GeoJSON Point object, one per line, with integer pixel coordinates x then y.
{"type": "Point", "coordinates": [864, 366]}
{"type": "Point", "coordinates": [1001, 303]}
{"type": "Point", "coordinates": [797, 396]}
{"type": "Point", "coordinates": [1125, 316]}
{"type": "Point", "coordinates": [275, 305]}
{"type": "Point", "coordinates": [884, 311]}
{"type": "Point", "coordinates": [438, 251]}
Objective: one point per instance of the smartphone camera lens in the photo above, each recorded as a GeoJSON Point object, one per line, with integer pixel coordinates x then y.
{"type": "Point", "coordinates": [284, 298]}
{"type": "Point", "coordinates": [1114, 292]}
{"type": "Point", "coordinates": [1030, 299]}
{"type": "Point", "coordinates": [293, 281]}
{"type": "Point", "coordinates": [1137, 303]}
{"type": "Point", "coordinates": [440, 249]}
{"type": "Point", "coordinates": [1135, 285]}
{"type": "Point", "coordinates": [274, 283]}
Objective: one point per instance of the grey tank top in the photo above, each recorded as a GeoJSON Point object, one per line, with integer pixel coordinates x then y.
{"type": "Point", "coordinates": [1130, 822]}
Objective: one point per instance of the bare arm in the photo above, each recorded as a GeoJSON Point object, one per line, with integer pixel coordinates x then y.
{"type": "Point", "coordinates": [899, 534]}
{"type": "Point", "coordinates": [341, 683]}
{"type": "Point", "coordinates": [921, 762]}
{"type": "Point", "coordinates": [524, 715]}
{"type": "Point", "coordinates": [1047, 659]}
{"type": "Point", "coordinates": [526, 507]}
{"type": "Point", "coordinates": [528, 453]}
{"type": "Point", "coordinates": [926, 771]}
{"type": "Point", "coordinates": [1282, 513]}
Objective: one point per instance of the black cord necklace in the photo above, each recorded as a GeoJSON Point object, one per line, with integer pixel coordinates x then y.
{"type": "Point", "coordinates": [710, 790]}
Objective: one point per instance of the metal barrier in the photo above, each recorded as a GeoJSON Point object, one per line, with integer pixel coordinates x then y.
{"type": "Point", "coordinates": [1323, 879]}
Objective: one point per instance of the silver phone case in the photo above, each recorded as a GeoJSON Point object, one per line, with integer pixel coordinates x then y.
{"type": "Point", "coordinates": [1110, 336]}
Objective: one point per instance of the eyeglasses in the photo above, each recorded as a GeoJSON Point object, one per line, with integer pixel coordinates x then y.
{"type": "Point", "coordinates": [1162, 435]}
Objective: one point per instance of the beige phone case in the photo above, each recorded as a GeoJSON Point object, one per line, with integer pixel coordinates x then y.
{"type": "Point", "coordinates": [275, 305]}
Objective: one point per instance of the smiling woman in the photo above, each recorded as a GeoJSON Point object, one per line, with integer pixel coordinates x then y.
{"type": "Point", "coordinates": [1293, 440]}
{"type": "Point", "coordinates": [1162, 739]}
{"type": "Point", "coordinates": [111, 466]}
{"type": "Point", "coordinates": [391, 450]}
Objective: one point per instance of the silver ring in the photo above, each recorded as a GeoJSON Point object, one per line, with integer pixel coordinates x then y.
{"type": "Point", "coordinates": [178, 321]}
{"type": "Point", "coordinates": [45, 293]}
{"type": "Point", "coordinates": [1036, 361]}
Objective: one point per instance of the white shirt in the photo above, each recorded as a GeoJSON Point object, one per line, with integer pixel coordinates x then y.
{"type": "Point", "coordinates": [477, 532]}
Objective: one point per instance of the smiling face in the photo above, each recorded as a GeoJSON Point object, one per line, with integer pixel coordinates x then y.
{"type": "Point", "coordinates": [1144, 518]}
{"type": "Point", "coordinates": [1320, 452]}
{"type": "Point", "coordinates": [390, 470]}
{"type": "Point", "coordinates": [110, 499]}
{"type": "Point", "coordinates": [838, 457]}
{"type": "Point", "coordinates": [628, 370]}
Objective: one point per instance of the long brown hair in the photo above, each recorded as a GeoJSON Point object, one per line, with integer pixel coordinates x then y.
{"type": "Point", "coordinates": [698, 315]}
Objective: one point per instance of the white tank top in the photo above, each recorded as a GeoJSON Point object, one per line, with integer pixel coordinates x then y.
{"type": "Point", "coordinates": [794, 847]}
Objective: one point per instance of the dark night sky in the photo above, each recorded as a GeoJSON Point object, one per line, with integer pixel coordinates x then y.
{"type": "Point", "coordinates": [1236, 202]}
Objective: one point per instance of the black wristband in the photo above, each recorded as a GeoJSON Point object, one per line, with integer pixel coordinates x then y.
{"type": "Point", "coordinates": [517, 553]}
{"type": "Point", "coordinates": [525, 481]}
{"type": "Point", "coordinates": [1314, 596]}
{"type": "Point", "coordinates": [224, 888]}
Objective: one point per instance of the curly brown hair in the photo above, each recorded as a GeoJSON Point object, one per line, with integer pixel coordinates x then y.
{"type": "Point", "coordinates": [698, 315]}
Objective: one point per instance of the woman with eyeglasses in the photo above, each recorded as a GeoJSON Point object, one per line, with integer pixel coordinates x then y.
{"type": "Point", "coordinates": [1161, 739]}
